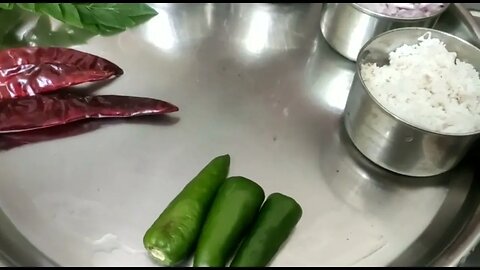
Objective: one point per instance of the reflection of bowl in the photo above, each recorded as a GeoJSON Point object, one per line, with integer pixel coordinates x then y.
{"type": "Point", "coordinates": [260, 28]}
{"type": "Point", "coordinates": [180, 25]}
{"type": "Point", "coordinates": [386, 139]}
{"type": "Point", "coordinates": [328, 77]}
{"type": "Point", "coordinates": [347, 27]}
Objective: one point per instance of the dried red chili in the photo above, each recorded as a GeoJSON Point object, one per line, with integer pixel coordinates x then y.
{"type": "Point", "coordinates": [36, 112]}
{"type": "Point", "coordinates": [34, 70]}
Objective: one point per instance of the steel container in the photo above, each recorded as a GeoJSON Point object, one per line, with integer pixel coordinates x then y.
{"type": "Point", "coordinates": [385, 138]}
{"type": "Point", "coordinates": [347, 27]}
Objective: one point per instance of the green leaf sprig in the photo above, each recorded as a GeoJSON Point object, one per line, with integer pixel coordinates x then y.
{"type": "Point", "coordinates": [99, 18]}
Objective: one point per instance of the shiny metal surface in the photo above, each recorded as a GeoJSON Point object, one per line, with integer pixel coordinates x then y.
{"type": "Point", "coordinates": [469, 237]}
{"type": "Point", "coordinates": [385, 138]}
{"type": "Point", "coordinates": [458, 21]}
{"type": "Point", "coordinates": [464, 251]}
{"type": "Point", "coordinates": [348, 26]}
{"type": "Point", "coordinates": [259, 82]}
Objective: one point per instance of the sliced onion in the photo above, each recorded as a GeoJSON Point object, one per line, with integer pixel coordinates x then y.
{"type": "Point", "coordinates": [404, 10]}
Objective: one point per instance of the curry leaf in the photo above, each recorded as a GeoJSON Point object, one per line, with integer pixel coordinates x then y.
{"type": "Point", "coordinates": [6, 5]}
{"type": "Point", "coordinates": [28, 6]}
{"type": "Point", "coordinates": [100, 18]}
{"type": "Point", "coordinates": [70, 11]}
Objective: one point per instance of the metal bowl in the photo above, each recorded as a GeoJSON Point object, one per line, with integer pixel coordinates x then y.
{"type": "Point", "coordinates": [347, 27]}
{"type": "Point", "coordinates": [389, 141]}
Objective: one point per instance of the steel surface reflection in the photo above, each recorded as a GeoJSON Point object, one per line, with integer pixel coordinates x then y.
{"type": "Point", "coordinates": [328, 77]}
{"type": "Point", "coordinates": [257, 35]}
{"type": "Point", "coordinates": [178, 25]}
{"type": "Point", "coordinates": [161, 32]}
{"type": "Point", "coordinates": [264, 28]}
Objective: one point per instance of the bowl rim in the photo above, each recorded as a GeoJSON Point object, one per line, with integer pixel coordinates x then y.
{"type": "Point", "coordinates": [395, 116]}
{"type": "Point", "coordinates": [413, 19]}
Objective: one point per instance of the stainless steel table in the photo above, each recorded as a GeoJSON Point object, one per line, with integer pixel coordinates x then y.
{"type": "Point", "coordinates": [259, 82]}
